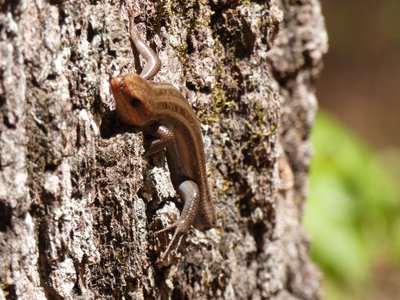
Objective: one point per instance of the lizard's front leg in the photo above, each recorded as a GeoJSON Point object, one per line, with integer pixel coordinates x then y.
{"type": "Point", "coordinates": [162, 135]}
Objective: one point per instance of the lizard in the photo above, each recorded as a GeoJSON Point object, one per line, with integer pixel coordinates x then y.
{"type": "Point", "coordinates": [161, 111]}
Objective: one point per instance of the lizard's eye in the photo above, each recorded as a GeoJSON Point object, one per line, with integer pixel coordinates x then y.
{"type": "Point", "coordinates": [135, 102]}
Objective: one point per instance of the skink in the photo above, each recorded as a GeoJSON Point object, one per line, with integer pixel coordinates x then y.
{"type": "Point", "coordinates": [160, 110]}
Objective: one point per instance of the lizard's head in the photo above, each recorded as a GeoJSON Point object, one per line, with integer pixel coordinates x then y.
{"type": "Point", "coordinates": [133, 99]}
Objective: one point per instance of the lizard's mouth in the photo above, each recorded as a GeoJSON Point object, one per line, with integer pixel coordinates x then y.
{"type": "Point", "coordinates": [115, 85]}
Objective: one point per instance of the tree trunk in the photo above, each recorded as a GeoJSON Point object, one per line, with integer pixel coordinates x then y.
{"type": "Point", "coordinates": [79, 203]}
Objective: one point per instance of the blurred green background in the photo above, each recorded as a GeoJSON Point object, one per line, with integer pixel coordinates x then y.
{"type": "Point", "coordinates": [353, 209]}
{"type": "Point", "coordinates": [353, 213]}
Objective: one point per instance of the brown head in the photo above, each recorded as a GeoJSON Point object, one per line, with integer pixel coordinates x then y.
{"type": "Point", "coordinates": [133, 98]}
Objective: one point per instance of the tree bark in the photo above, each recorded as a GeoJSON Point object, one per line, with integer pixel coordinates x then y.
{"type": "Point", "coordinates": [79, 203]}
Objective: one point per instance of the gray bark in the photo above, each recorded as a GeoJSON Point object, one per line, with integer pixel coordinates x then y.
{"type": "Point", "coordinates": [78, 203]}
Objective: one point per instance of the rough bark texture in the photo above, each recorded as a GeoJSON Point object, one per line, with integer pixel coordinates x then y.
{"type": "Point", "coordinates": [78, 203]}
